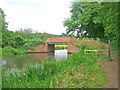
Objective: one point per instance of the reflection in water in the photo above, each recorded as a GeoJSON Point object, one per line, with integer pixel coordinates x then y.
{"type": "Point", "coordinates": [19, 61]}
{"type": "Point", "coordinates": [60, 55]}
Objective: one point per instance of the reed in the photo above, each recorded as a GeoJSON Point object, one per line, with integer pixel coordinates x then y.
{"type": "Point", "coordinates": [79, 71]}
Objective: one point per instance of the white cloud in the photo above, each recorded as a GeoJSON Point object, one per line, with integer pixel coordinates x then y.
{"type": "Point", "coordinates": [40, 15]}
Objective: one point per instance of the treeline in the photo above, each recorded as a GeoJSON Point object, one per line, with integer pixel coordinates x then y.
{"type": "Point", "coordinates": [21, 40]}
{"type": "Point", "coordinates": [94, 20]}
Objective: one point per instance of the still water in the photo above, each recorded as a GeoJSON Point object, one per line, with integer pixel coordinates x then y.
{"type": "Point", "coordinates": [18, 61]}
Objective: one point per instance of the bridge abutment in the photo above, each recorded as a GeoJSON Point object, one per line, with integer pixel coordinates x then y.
{"type": "Point", "coordinates": [72, 48]}
{"type": "Point", "coordinates": [51, 47]}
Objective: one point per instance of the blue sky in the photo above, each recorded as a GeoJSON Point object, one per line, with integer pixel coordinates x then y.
{"type": "Point", "coordinates": [40, 15]}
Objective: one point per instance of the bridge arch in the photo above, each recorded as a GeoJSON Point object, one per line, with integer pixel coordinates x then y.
{"type": "Point", "coordinates": [50, 42]}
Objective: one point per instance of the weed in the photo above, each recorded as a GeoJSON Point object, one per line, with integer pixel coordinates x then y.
{"type": "Point", "coordinates": [79, 71]}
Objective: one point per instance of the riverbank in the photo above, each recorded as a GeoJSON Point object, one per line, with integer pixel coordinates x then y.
{"type": "Point", "coordinates": [80, 71]}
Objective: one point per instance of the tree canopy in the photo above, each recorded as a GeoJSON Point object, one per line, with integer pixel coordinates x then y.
{"type": "Point", "coordinates": [93, 19]}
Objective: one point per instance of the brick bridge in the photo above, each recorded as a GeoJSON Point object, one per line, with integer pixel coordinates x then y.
{"type": "Point", "coordinates": [51, 42]}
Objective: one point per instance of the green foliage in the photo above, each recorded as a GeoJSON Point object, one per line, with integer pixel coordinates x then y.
{"type": "Point", "coordinates": [10, 50]}
{"type": "Point", "coordinates": [18, 41]}
{"type": "Point", "coordinates": [3, 24]}
{"type": "Point", "coordinates": [80, 71]}
{"type": "Point", "coordinates": [92, 19]}
{"type": "Point", "coordinates": [0, 38]}
{"type": "Point", "coordinates": [23, 39]}
{"type": "Point", "coordinates": [59, 47]}
{"type": "Point", "coordinates": [0, 68]}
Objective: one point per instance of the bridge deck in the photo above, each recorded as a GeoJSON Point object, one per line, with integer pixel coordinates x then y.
{"type": "Point", "coordinates": [59, 40]}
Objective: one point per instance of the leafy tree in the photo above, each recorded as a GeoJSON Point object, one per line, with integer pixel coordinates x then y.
{"type": "Point", "coordinates": [3, 24]}
{"type": "Point", "coordinates": [92, 19]}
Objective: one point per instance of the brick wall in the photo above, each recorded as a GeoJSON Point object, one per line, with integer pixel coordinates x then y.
{"type": "Point", "coordinates": [51, 48]}
{"type": "Point", "coordinates": [40, 48]}
{"type": "Point", "coordinates": [72, 48]}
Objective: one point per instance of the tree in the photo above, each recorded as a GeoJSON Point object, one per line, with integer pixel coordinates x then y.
{"type": "Point", "coordinates": [7, 38]}
{"type": "Point", "coordinates": [97, 20]}
{"type": "Point", "coordinates": [3, 24]}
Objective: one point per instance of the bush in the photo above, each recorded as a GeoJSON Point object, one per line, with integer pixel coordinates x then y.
{"type": "Point", "coordinates": [11, 50]}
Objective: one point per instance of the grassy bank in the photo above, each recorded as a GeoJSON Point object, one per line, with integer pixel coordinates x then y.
{"type": "Point", "coordinates": [80, 71]}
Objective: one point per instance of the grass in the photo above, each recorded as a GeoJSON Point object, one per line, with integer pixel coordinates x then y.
{"type": "Point", "coordinates": [89, 44]}
{"type": "Point", "coordinates": [80, 71]}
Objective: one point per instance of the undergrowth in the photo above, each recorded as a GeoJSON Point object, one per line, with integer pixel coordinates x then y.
{"type": "Point", "coordinates": [80, 71]}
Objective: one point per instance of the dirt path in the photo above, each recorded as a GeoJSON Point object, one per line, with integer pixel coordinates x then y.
{"type": "Point", "coordinates": [111, 70]}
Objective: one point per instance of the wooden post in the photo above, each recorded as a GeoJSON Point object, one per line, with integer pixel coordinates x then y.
{"type": "Point", "coordinates": [109, 54]}
{"type": "Point", "coordinates": [85, 50]}
{"type": "Point", "coordinates": [96, 52]}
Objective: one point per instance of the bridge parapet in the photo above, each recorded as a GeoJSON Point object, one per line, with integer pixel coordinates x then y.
{"type": "Point", "coordinates": [59, 40]}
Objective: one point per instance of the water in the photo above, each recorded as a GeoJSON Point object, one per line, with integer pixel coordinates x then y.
{"type": "Point", "coordinates": [16, 62]}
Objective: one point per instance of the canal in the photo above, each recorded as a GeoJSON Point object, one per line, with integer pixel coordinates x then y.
{"type": "Point", "coordinates": [19, 61]}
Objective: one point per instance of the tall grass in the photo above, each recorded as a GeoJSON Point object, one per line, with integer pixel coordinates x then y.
{"type": "Point", "coordinates": [89, 43]}
{"type": "Point", "coordinates": [80, 71]}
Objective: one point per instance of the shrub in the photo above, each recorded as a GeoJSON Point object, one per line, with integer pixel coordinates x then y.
{"type": "Point", "coordinates": [11, 50]}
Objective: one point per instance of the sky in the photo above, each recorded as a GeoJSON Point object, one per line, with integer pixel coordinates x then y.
{"type": "Point", "coordinates": [40, 15]}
